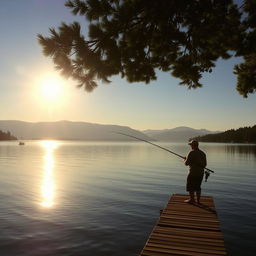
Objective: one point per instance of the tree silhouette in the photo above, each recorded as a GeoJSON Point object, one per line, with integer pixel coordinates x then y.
{"type": "Point", "coordinates": [241, 135]}
{"type": "Point", "coordinates": [135, 38]}
{"type": "Point", "coordinates": [6, 136]}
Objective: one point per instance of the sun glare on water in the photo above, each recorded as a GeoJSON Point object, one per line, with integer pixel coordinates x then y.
{"type": "Point", "coordinates": [48, 184]}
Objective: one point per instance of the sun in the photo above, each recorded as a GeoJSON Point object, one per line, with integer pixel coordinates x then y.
{"type": "Point", "coordinates": [50, 94]}
{"type": "Point", "coordinates": [50, 89]}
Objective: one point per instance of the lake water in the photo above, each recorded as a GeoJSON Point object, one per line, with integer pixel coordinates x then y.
{"type": "Point", "coordinates": [103, 198]}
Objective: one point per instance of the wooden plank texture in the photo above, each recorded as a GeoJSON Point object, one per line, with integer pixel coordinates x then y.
{"type": "Point", "coordinates": [186, 229]}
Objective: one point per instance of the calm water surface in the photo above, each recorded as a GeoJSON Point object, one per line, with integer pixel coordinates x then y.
{"type": "Point", "coordinates": [91, 198]}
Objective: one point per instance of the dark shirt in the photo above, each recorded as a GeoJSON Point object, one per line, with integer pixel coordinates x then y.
{"type": "Point", "coordinates": [196, 160]}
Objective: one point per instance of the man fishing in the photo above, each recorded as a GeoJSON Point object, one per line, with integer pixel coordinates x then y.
{"type": "Point", "coordinates": [196, 160]}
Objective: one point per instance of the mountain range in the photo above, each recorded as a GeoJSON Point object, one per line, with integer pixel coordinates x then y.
{"type": "Point", "coordinates": [68, 130]}
{"type": "Point", "coordinates": [178, 134]}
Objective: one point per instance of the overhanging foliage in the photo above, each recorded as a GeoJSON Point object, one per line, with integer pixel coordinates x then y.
{"type": "Point", "coordinates": [135, 38]}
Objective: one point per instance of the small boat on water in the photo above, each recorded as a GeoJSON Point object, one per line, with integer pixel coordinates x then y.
{"type": "Point", "coordinates": [21, 143]}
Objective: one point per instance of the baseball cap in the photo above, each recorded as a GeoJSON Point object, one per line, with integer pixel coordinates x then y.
{"type": "Point", "coordinates": [193, 142]}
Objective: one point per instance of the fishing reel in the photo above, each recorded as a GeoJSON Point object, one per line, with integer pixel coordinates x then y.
{"type": "Point", "coordinates": [206, 175]}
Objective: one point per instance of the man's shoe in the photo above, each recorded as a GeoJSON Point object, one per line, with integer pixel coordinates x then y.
{"type": "Point", "coordinates": [189, 201]}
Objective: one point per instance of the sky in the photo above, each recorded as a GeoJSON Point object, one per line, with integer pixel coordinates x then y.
{"type": "Point", "coordinates": [163, 104]}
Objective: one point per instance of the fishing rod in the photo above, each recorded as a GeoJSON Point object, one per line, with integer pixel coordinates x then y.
{"type": "Point", "coordinates": [207, 173]}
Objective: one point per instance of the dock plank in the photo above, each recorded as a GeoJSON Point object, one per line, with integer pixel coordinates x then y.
{"type": "Point", "coordinates": [186, 229]}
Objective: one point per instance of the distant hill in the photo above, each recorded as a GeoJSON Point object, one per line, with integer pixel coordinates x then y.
{"type": "Point", "coordinates": [178, 134]}
{"type": "Point", "coordinates": [6, 136]}
{"type": "Point", "coordinates": [68, 130]}
{"type": "Point", "coordinates": [241, 135]}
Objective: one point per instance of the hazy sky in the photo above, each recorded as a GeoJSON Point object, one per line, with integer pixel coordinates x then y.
{"type": "Point", "coordinates": [161, 104]}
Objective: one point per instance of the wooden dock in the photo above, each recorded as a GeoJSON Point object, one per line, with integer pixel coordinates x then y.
{"type": "Point", "coordinates": [186, 229]}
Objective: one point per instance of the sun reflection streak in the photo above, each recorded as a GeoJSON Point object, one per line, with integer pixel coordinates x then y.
{"type": "Point", "coordinates": [48, 185]}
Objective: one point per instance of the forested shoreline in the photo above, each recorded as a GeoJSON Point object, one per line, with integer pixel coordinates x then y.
{"type": "Point", "coordinates": [6, 136]}
{"type": "Point", "coordinates": [241, 135]}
